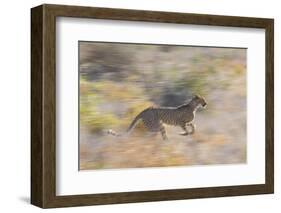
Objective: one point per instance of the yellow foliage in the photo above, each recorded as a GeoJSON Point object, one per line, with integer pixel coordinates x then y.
{"type": "Point", "coordinates": [238, 69]}
{"type": "Point", "coordinates": [96, 121]}
{"type": "Point", "coordinates": [95, 94]}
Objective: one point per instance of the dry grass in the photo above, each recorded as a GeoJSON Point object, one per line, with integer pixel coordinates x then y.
{"type": "Point", "coordinates": [119, 81]}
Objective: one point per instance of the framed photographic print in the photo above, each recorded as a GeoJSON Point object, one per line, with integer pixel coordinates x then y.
{"type": "Point", "coordinates": [136, 106]}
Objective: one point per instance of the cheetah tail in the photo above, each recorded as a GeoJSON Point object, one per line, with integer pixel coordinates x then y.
{"type": "Point", "coordinates": [130, 128]}
{"type": "Point", "coordinates": [112, 132]}
{"type": "Point", "coordinates": [134, 123]}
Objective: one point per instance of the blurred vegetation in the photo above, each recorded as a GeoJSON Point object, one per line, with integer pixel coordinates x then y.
{"type": "Point", "coordinates": [118, 81]}
{"type": "Point", "coordinates": [95, 95]}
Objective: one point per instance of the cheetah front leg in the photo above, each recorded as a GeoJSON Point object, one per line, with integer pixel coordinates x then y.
{"type": "Point", "coordinates": [186, 132]}
{"type": "Point", "coordinates": [193, 127]}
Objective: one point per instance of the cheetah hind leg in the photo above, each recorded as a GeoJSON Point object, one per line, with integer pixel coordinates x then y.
{"type": "Point", "coordinates": [163, 132]}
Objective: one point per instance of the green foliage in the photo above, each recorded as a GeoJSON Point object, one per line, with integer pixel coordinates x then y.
{"type": "Point", "coordinates": [95, 95]}
{"type": "Point", "coordinates": [96, 121]}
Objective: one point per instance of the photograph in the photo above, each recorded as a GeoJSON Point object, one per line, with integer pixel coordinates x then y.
{"type": "Point", "coordinates": [161, 105]}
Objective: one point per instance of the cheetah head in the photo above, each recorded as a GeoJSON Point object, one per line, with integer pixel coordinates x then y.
{"type": "Point", "coordinates": [200, 100]}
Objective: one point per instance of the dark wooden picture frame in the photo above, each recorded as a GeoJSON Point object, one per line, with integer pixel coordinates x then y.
{"type": "Point", "coordinates": [43, 105]}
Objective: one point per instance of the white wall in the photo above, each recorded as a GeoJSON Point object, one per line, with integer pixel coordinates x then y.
{"type": "Point", "coordinates": [15, 106]}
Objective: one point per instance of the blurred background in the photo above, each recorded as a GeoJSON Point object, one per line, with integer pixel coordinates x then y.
{"type": "Point", "coordinates": [118, 81]}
